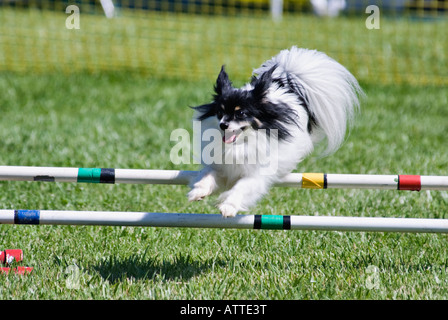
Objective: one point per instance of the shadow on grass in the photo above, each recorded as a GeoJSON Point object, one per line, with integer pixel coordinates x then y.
{"type": "Point", "coordinates": [137, 267]}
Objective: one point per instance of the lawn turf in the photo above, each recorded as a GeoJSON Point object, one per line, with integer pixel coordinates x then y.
{"type": "Point", "coordinates": [124, 121]}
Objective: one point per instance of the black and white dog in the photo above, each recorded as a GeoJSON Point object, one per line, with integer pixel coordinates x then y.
{"type": "Point", "coordinates": [295, 100]}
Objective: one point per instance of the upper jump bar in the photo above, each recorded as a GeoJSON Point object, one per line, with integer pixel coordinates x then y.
{"type": "Point", "coordinates": [179, 177]}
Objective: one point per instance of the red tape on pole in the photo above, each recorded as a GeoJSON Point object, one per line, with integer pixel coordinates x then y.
{"type": "Point", "coordinates": [11, 255]}
{"type": "Point", "coordinates": [16, 270]}
{"type": "Point", "coordinates": [408, 182]}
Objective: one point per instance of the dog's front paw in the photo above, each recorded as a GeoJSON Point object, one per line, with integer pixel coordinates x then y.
{"type": "Point", "coordinates": [198, 193]}
{"type": "Point", "coordinates": [227, 210]}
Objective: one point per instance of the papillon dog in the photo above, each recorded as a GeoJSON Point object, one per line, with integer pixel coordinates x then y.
{"type": "Point", "coordinates": [294, 101]}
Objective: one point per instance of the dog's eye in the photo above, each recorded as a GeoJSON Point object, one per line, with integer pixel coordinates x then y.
{"type": "Point", "coordinates": [240, 113]}
{"type": "Point", "coordinates": [219, 113]}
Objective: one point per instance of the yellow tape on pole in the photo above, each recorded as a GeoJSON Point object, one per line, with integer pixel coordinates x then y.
{"type": "Point", "coordinates": [313, 181]}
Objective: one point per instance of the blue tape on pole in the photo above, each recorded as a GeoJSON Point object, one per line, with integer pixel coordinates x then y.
{"type": "Point", "coordinates": [26, 216]}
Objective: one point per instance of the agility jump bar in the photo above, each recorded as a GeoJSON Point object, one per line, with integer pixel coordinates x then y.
{"type": "Point", "coordinates": [178, 177]}
{"type": "Point", "coordinates": [201, 220]}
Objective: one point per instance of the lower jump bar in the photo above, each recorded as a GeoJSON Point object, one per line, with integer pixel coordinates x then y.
{"type": "Point", "coordinates": [197, 220]}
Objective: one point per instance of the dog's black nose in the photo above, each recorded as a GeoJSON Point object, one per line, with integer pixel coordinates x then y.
{"type": "Point", "coordinates": [223, 125]}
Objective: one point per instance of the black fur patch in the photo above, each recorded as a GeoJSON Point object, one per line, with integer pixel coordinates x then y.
{"type": "Point", "coordinates": [293, 86]}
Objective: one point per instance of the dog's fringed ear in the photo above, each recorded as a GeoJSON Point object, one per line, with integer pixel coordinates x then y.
{"type": "Point", "coordinates": [205, 111]}
{"type": "Point", "coordinates": [262, 83]}
{"type": "Point", "coordinates": [223, 84]}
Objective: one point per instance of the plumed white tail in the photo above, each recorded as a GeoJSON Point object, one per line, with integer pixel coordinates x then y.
{"type": "Point", "coordinates": [330, 89]}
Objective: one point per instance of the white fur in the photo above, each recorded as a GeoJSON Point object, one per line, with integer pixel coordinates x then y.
{"type": "Point", "coordinates": [332, 93]}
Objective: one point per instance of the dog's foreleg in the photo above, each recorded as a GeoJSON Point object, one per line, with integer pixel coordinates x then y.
{"type": "Point", "coordinates": [203, 185]}
{"type": "Point", "coordinates": [244, 194]}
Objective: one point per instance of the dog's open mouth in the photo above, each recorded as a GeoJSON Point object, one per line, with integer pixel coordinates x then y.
{"type": "Point", "coordinates": [230, 136]}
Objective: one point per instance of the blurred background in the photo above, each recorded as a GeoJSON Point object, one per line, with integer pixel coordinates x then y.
{"type": "Point", "coordinates": [396, 41]}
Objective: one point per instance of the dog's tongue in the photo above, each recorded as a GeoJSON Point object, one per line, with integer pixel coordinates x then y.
{"type": "Point", "coordinates": [229, 137]}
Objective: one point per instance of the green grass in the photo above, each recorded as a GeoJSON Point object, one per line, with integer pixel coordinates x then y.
{"type": "Point", "coordinates": [124, 121]}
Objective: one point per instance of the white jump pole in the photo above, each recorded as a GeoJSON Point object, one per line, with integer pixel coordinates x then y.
{"type": "Point", "coordinates": [196, 220]}
{"type": "Point", "coordinates": [178, 177]}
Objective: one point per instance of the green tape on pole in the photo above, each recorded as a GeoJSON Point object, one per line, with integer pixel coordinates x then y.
{"type": "Point", "coordinates": [272, 222]}
{"type": "Point", "coordinates": [89, 175]}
